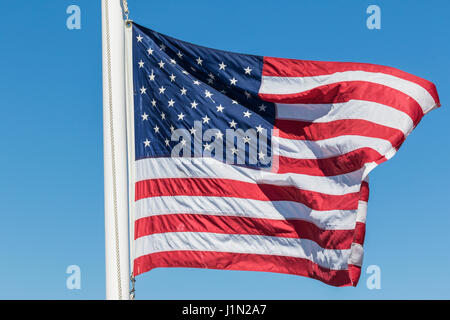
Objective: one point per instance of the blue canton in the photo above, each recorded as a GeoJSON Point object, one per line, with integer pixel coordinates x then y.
{"type": "Point", "coordinates": [178, 85]}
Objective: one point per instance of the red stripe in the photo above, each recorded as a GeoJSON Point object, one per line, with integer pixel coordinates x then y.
{"type": "Point", "coordinates": [239, 189]}
{"type": "Point", "coordinates": [355, 273]}
{"type": "Point", "coordinates": [327, 239]}
{"type": "Point", "coordinates": [304, 130]}
{"type": "Point", "coordinates": [364, 192]}
{"type": "Point", "coordinates": [333, 166]}
{"type": "Point", "coordinates": [360, 233]}
{"type": "Point", "coordinates": [352, 90]}
{"type": "Point", "coordinates": [278, 67]}
{"type": "Point", "coordinates": [243, 262]}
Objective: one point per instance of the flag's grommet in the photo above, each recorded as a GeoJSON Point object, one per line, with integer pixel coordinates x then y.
{"type": "Point", "coordinates": [128, 23]}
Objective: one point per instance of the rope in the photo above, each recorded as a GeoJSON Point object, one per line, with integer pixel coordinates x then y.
{"type": "Point", "coordinates": [125, 8]}
{"type": "Point", "coordinates": [133, 287]}
{"type": "Point", "coordinates": [113, 151]}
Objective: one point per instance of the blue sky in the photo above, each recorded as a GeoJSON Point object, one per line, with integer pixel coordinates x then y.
{"type": "Point", "coordinates": [51, 186]}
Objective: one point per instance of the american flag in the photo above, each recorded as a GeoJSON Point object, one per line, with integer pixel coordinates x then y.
{"type": "Point", "coordinates": [245, 162]}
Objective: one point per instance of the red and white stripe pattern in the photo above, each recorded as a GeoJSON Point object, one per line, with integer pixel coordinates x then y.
{"type": "Point", "coordinates": [336, 122]}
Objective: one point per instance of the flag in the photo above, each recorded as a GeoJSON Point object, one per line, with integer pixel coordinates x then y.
{"type": "Point", "coordinates": [245, 162]}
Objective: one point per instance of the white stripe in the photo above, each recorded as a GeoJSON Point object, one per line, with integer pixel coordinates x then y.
{"type": "Point", "coordinates": [356, 255]}
{"type": "Point", "coordinates": [226, 206]}
{"type": "Point", "coordinates": [327, 148]}
{"type": "Point", "coordinates": [354, 109]}
{"type": "Point", "coordinates": [289, 85]}
{"type": "Point", "coordinates": [162, 168]}
{"type": "Point", "coordinates": [251, 244]}
{"type": "Point", "coordinates": [362, 212]}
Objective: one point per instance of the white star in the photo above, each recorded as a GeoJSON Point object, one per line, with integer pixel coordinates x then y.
{"type": "Point", "coordinates": [147, 143]}
{"type": "Point", "coordinates": [172, 129]}
{"type": "Point", "coordinates": [161, 64]}
{"type": "Point", "coordinates": [262, 107]}
{"type": "Point", "coordinates": [172, 78]}
{"type": "Point", "coordinates": [247, 114]}
{"type": "Point", "coordinates": [196, 82]}
{"type": "Point", "coordinates": [167, 142]}
{"type": "Point", "coordinates": [233, 81]}
{"type": "Point", "coordinates": [153, 102]}
{"type": "Point", "coordinates": [183, 142]}
{"type": "Point", "coordinates": [183, 91]}
{"type": "Point", "coordinates": [259, 129]}
{"type": "Point", "coordinates": [207, 146]}
{"type": "Point", "coordinates": [150, 51]}
{"type": "Point", "coordinates": [156, 128]}
{"type": "Point", "coordinates": [210, 81]}
{"type": "Point", "coordinates": [208, 94]}
{"type": "Point", "coordinates": [171, 103]}
{"type": "Point", "coordinates": [139, 38]}
{"type": "Point", "coordinates": [162, 89]}
{"type": "Point", "coordinates": [222, 66]}
{"type": "Point", "coordinates": [144, 117]}
{"type": "Point", "coordinates": [143, 90]}
{"type": "Point", "coordinates": [248, 95]}
{"type": "Point", "coordinates": [141, 64]}
{"type": "Point", "coordinates": [163, 116]}
{"type": "Point", "coordinates": [152, 76]}
{"type": "Point", "coordinates": [206, 119]}
{"type": "Point", "coordinates": [211, 76]}
{"type": "Point", "coordinates": [234, 151]}
{"type": "Point", "coordinates": [172, 61]}
{"type": "Point", "coordinates": [223, 91]}
{"type": "Point", "coordinates": [234, 102]}
{"type": "Point", "coordinates": [194, 105]}
{"type": "Point", "coordinates": [180, 55]}
{"type": "Point", "coordinates": [261, 155]}
{"type": "Point", "coordinates": [220, 108]}
{"type": "Point", "coordinates": [193, 131]}
{"type": "Point", "coordinates": [219, 135]}
{"type": "Point", "coordinates": [181, 116]}
{"type": "Point", "coordinates": [185, 72]}
{"type": "Point", "coordinates": [247, 139]}
{"type": "Point", "coordinates": [247, 70]}
{"type": "Point", "coordinates": [163, 47]}
{"type": "Point", "coordinates": [232, 124]}
{"type": "Point", "coordinates": [199, 61]}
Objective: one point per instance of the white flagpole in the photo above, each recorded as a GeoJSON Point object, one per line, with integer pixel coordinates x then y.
{"type": "Point", "coordinates": [115, 152]}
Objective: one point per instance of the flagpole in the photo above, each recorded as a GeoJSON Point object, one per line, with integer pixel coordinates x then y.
{"type": "Point", "coordinates": [115, 152]}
